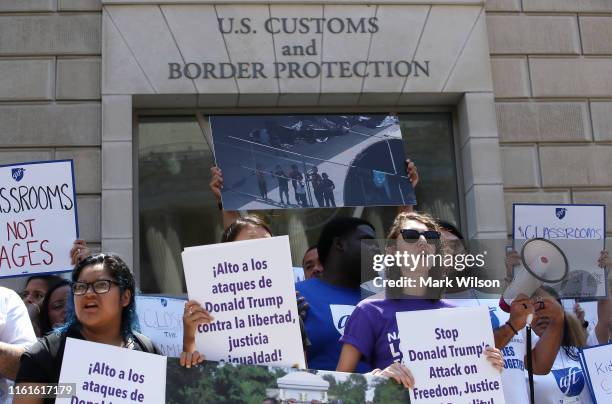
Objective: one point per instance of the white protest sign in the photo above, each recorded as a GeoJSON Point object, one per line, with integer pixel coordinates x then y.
{"type": "Point", "coordinates": [248, 288]}
{"type": "Point", "coordinates": [38, 217]}
{"type": "Point", "coordinates": [445, 350]}
{"type": "Point", "coordinates": [578, 230]}
{"type": "Point", "coordinates": [106, 374]}
{"type": "Point", "coordinates": [597, 364]}
{"type": "Point", "coordinates": [161, 319]}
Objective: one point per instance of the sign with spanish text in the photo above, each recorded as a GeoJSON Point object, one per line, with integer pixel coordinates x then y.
{"type": "Point", "coordinates": [446, 354]}
{"type": "Point", "coordinates": [109, 374]}
{"type": "Point", "coordinates": [161, 319]}
{"type": "Point", "coordinates": [38, 217]}
{"type": "Point", "coordinates": [597, 365]}
{"type": "Point", "coordinates": [247, 286]}
{"type": "Point", "coordinates": [578, 232]}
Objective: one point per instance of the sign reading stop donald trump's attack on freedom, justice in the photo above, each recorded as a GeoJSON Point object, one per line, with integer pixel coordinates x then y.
{"type": "Point", "coordinates": [247, 286]}
{"type": "Point", "coordinates": [38, 217]}
{"type": "Point", "coordinates": [597, 365]}
{"type": "Point", "coordinates": [445, 350]}
{"type": "Point", "coordinates": [161, 319]}
{"type": "Point", "coordinates": [106, 374]}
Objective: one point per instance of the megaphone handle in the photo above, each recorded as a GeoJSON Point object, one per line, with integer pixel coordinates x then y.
{"type": "Point", "coordinates": [530, 362]}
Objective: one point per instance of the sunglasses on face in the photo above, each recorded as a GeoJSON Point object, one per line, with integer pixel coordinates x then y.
{"type": "Point", "coordinates": [99, 287]}
{"type": "Point", "coordinates": [414, 235]}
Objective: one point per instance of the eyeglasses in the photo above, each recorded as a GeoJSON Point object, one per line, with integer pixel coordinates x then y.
{"type": "Point", "coordinates": [99, 287]}
{"type": "Point", "coordinates": [413, 235]}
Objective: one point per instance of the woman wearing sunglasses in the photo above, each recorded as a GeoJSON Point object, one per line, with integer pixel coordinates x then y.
{"type": "Point", "coordinates": [102, 310]}
{"type": "Point", "coordinates": [371, 332]}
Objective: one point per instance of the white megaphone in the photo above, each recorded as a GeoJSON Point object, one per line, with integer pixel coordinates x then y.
{"type": "Point", "coordinates": [542, 262]}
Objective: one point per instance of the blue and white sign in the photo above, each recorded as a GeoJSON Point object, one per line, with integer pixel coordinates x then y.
{"type": "Point", "coordinates": [597, 364]}
{"type": "Point", "coordinates": [161, 319]}
{"type": "Point", "coordinates": [38, 217]}
{"type": "Point", "coordinates": [579, 231]}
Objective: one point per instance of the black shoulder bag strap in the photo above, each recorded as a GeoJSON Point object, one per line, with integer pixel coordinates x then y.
{"type": "Point", "coordinates": [145, 342]}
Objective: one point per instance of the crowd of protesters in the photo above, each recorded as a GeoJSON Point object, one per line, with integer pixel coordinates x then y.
{"type": "Point", "coordinates": [98, 304]}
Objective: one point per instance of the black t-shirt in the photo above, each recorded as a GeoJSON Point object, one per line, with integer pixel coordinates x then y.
{"type": "Point", "coordinates": [42, 363]}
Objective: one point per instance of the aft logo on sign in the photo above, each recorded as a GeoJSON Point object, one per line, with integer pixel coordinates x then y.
{"type": "Point", "coordinates": [340, 314]}
{"type": "Point", "coordinates": [560, 213]}
{"type": "Point", "coordinates": [17, 173]}
{"type": "Point", "coordinates": [569, 380]}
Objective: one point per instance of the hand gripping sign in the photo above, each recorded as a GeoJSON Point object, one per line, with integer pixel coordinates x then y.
{"type": "Point", "coordinates": [445, 350]}
{"type": "Point", "coordinates": [247, 286]}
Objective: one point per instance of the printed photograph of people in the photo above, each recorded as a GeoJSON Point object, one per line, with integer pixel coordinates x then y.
{"type": "Point", "coordinates": [310, 161]}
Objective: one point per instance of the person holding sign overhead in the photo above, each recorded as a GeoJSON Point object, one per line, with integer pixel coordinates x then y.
{"type": "Point", "coordinates": [103, 311]}
{"type": "Point", "coordinates": [371, 332]}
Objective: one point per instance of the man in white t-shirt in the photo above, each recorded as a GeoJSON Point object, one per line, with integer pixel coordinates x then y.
{"type": "Point", "coordinates": [16, 334]}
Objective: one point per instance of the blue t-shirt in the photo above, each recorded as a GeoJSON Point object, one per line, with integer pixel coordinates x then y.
{"type": "Point", "coordinates": [329, 309]}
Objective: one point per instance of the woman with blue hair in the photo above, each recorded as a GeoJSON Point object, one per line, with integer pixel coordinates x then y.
{"type": "Point", "coordinates": [102, 310]}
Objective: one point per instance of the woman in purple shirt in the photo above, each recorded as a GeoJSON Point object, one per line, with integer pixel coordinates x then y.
{"type": "Point", "coordinates": [371, 332]}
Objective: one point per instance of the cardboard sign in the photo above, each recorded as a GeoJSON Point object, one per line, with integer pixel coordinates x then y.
{"type": "Point", "coordinates": [248, 288]}
{"type": "Point", "coordinates": [38, 217]}
{"type": "Point", "coordinates": [597, 365]}
{"type": "Point", "coordinates": [445, 350]}
{"type": "Point", "coordinates": [161, 319]}
{"type": "Point", "coordinates": [108, 374]}
{"type": "Point", "coordinates": [579, 231]}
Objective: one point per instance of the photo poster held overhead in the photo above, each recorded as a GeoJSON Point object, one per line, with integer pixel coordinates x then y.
{"type": "Point", "coordinates": [446, 355]}
{"type": "Point", "coordinates": [161, 319]}
{"type": "Point", "coordinates": [578, 231]}
{"type": "Point", "coordinates": [311, 161]}
{"type": "Point", "coordinates": [247, 286]}
{"type": "Point", "coordinates": [39, 223]}
{"type": "Point", "coordinates": [104, 373]}
{"type": "Point", "coordinates": [597, 365]}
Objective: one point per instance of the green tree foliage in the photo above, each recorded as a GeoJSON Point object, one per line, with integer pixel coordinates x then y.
{"type": "Point", "coordinates": [390, 392]}
{"type": "Point", "coordinates": [221, 384]}
{"type": "Point", "coordinates": [350, 391]}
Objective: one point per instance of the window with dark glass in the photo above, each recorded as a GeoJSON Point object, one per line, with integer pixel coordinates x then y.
{"type": "Point", "coordinates": [176, 208]}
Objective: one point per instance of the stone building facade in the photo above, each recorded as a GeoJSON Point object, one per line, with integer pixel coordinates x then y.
{"type": "Point", "coordinates": [542, 133]}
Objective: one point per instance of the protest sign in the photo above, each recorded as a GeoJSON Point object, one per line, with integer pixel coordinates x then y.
{"type": "Point", "coordinates": [39, 217]}
{"type": "Point", "coordinates": [597, 365]}
{"type": "Point", "coordinates": [216, 382]}
{"type": "Point", "coordinates": [161, 319]}
{"type": "Point", "coordinates": [299, 161]}
{"type": "Point", "coordinates": [445, 350]}
{"type": "Point", "coordinates": [248, 288]}
{"type": "Point", "coordinates": [111, 375]}
{"type": "Point", "coordinates": [579, 232]}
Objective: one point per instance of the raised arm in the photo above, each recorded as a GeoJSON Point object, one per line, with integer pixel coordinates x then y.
{"type": "Point", "coordinates": [216, 184]}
